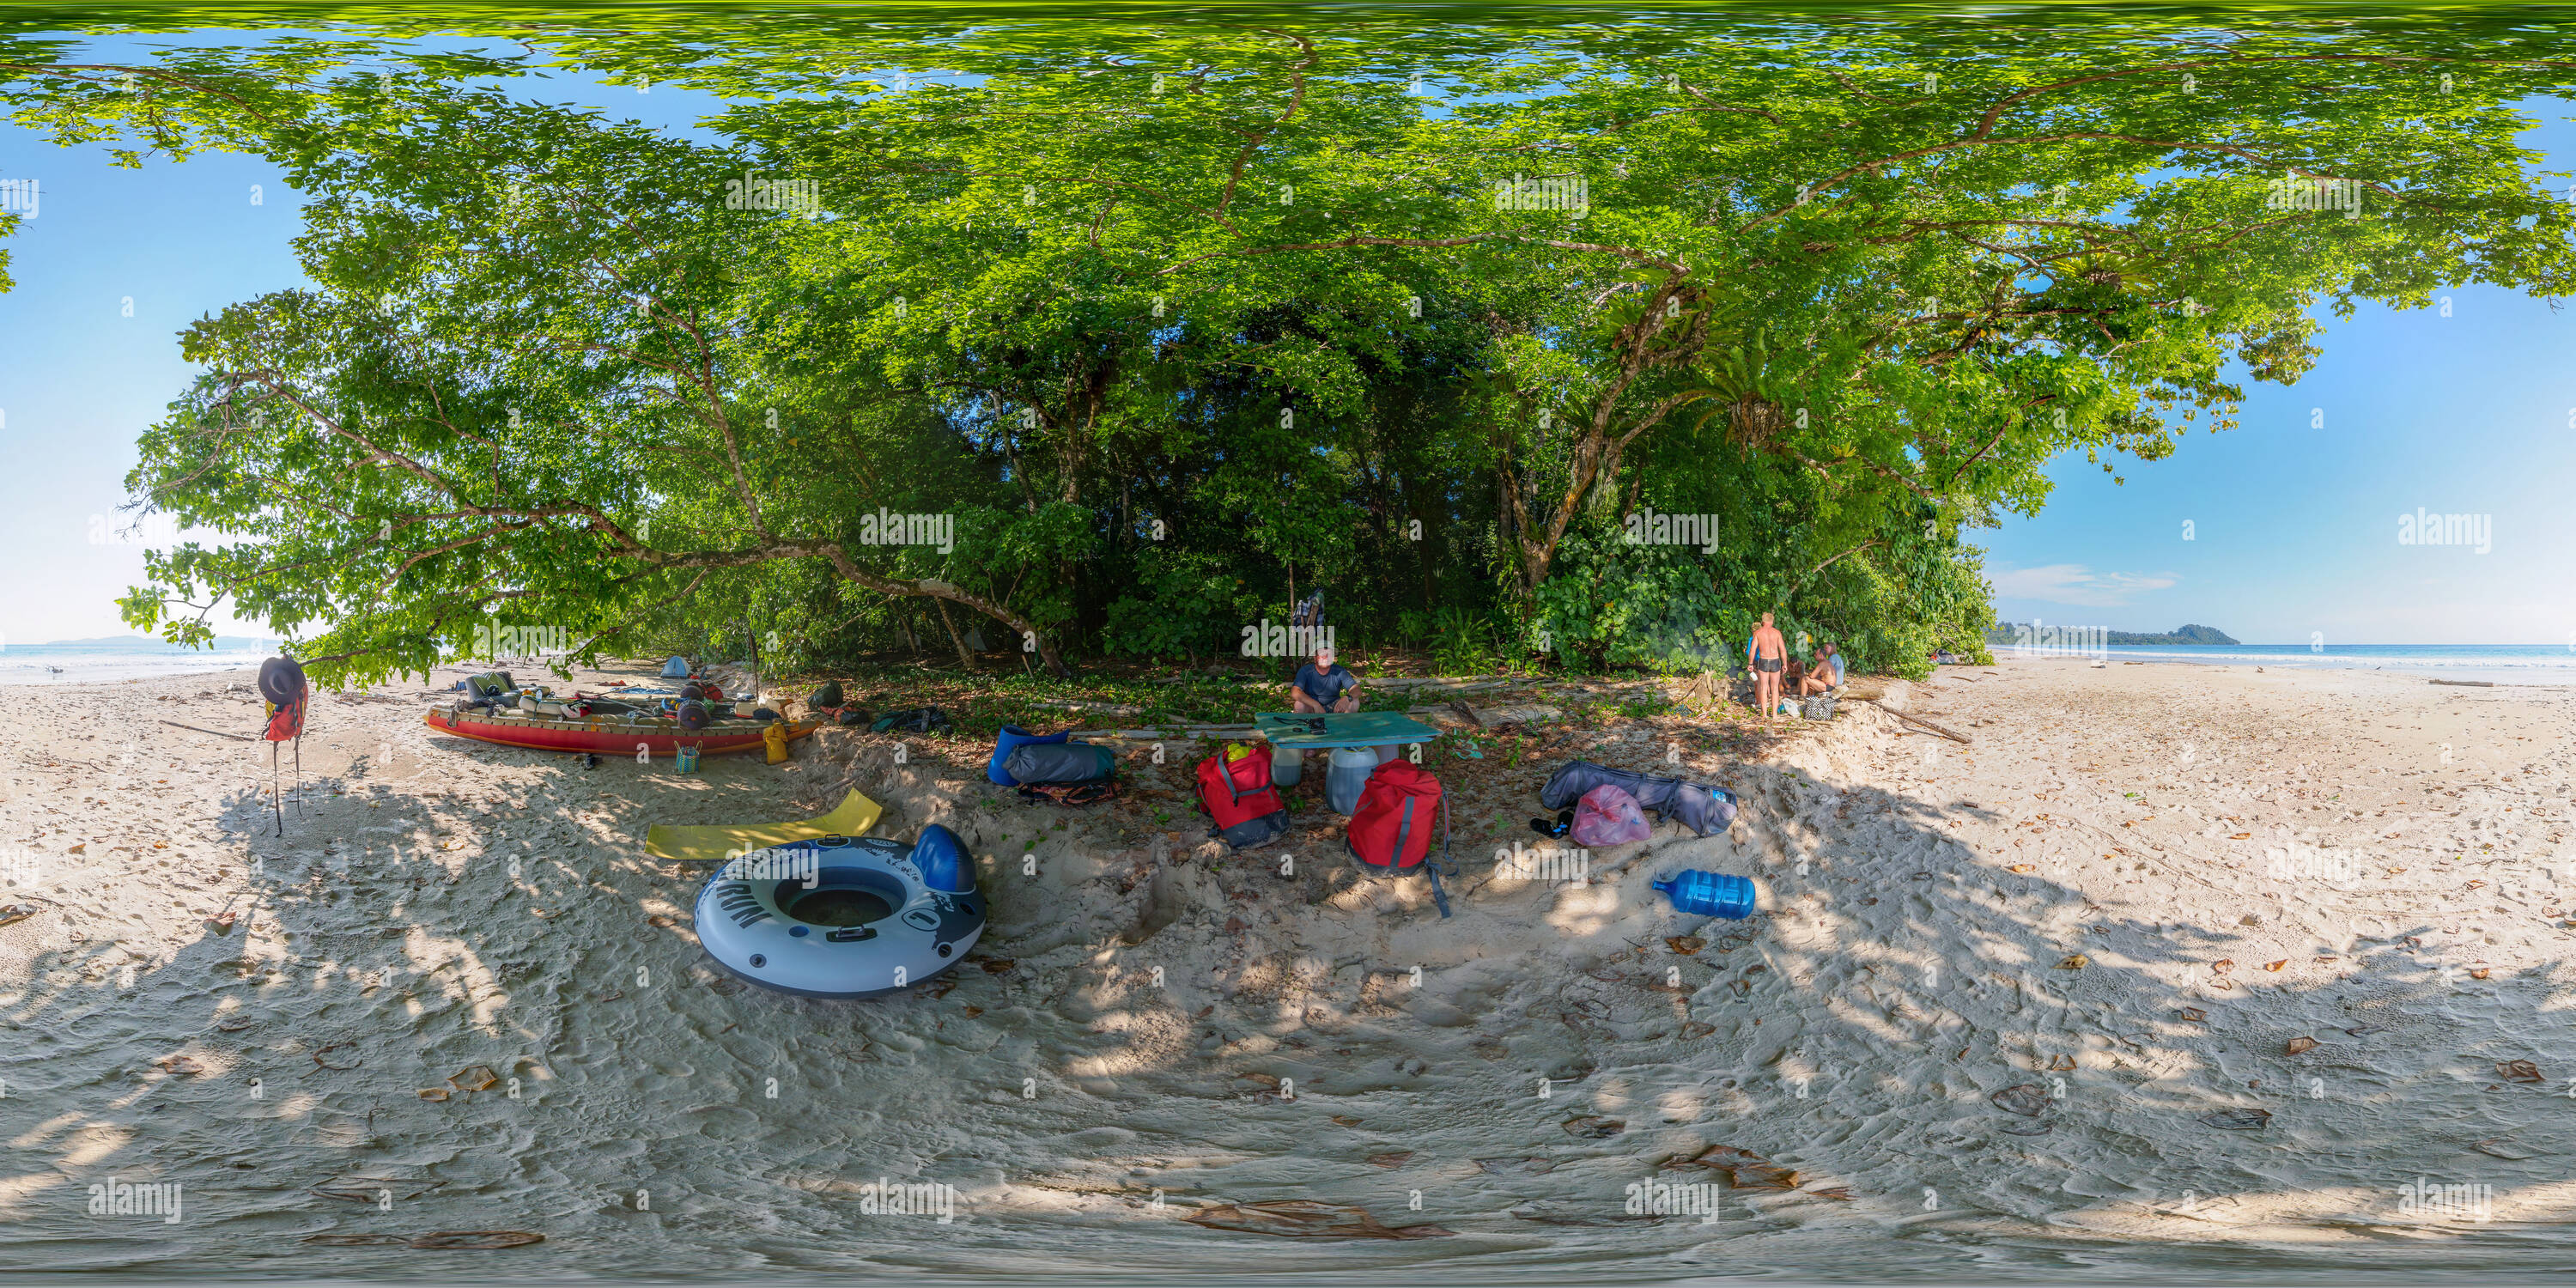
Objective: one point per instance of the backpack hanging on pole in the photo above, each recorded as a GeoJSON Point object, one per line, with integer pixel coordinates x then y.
{"type": "Point", "coordinates": [282, 682]}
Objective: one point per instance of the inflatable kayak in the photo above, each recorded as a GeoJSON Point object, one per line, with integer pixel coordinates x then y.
{"type": "Point", "coordinates": [610, 729]}
{"type": "Point", "coordinates": [842, 917]}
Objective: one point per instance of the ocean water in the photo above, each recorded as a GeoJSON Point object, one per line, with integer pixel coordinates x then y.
{"type": "Point", "coordinates": [91, 664]}
{"type": "Point", "coordinates": [2493, 663]}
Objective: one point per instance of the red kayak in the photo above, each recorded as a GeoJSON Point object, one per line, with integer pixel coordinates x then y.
{"type": "Point", "coordinates": [605, 733]}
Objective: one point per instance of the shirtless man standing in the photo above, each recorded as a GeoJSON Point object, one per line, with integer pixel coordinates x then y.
{"type": "Point", "coordinates": [1770, 654]}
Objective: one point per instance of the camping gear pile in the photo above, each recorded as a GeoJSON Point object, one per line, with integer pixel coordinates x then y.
{"type": "Point", "coordinates": [828, 704]}
{"type": "Point", "coordinates": [495, 708]}
{"type": "Point", "coordinates": [1702, 809]}
{"type": "Point", "coordinates": [1391, 805]}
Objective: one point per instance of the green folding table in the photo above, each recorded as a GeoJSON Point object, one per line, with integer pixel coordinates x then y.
{"type": "Point", "coordinates": [1290, 732]}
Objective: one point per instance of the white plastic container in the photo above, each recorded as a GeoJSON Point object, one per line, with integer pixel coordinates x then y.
{"type": "Point", "coordinates": [1348, 775]}
{"type": "Point", "coordinates": [1287, 765]}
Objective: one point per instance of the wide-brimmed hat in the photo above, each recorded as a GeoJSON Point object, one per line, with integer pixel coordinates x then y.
{"type": "Point", "coordinates": [280, 680]}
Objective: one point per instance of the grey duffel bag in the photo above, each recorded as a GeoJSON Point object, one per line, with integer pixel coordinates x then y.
{"type": "Point", "coordinates": [1700, 808]}
{"type": "Point", "coordinates": [1060, 762]}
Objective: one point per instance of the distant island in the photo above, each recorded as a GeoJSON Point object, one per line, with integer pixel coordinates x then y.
{"type": "Point", "coordinates": [2004, 633]}
{"type": "Point", "coordinates": [2183, 635]}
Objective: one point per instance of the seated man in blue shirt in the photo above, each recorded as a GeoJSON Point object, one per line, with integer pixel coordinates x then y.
{"type": "Point", "coordinates": [1323, 687]}
{"type": "Point", "coordinates": [1826, 676]}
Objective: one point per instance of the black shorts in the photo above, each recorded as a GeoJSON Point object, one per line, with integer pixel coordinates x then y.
{"type": "Point", "coordinates": [1769, 663]}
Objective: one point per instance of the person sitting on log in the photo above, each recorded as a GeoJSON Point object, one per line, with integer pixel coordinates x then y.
{"type": "Point", "coordinates": [1324, 687]}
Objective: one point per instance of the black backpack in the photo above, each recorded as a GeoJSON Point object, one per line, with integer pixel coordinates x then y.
{"type": "Point", "coordinates": [916, 720]}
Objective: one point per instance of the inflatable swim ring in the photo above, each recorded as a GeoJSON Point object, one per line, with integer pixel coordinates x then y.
{"type": "Point", "coordinates": [842, 916]}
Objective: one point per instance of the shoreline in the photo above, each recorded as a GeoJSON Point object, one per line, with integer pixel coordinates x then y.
{"type": "Point", "coordinates": [2549, 677]}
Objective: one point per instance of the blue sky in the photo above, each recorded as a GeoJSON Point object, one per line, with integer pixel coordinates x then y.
{"type": "Point", "coordinates": [79, 380]}
{"type": "Point", "coordinates": [2294, 529]}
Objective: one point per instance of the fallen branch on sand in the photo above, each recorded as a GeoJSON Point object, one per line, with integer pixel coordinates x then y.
{"type": "Point", "coordinates": [236, 737]}
{"type": "Point", "coordinates": [2469, 684]}
{"type": "Point", "coordinates": [1172, 735]}
{"type": "Point", "coordinates": [1954, 737]}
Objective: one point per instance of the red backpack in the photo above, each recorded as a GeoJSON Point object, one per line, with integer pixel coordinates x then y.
{"type": "Point", "coordinates": [1239, 798]}
{"type": "Point", "coordinates": [1390, 832]}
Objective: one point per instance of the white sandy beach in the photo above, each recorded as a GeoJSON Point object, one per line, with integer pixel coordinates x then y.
{"type": "Point", "coordinates": [1151, 1029]}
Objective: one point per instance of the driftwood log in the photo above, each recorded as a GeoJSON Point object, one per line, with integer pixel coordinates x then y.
{"type": "Point", "coordinates": [1954, 737]}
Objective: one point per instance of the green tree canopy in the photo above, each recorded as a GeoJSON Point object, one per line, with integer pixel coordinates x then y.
{"type": "Point", "coordinates": [1159, 317]}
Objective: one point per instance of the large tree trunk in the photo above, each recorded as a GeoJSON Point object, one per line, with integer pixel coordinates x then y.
{"type": "Point", "coordinates": [965, 659]}
{"type": "Point", "coordinates": [1597, 452]}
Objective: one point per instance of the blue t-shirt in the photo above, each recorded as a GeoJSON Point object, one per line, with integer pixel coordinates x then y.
{"type": "Point", "coordinates": [1834, 666]}
{"type": "Point", "coordinates": [1327, 687]}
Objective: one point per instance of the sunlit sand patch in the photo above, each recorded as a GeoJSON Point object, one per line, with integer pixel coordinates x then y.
{"type": "Point", "coordinates": [17, 1191]}
{"type": "Point", "coordinates": [1585, 910]}
{"type": "Point", "coordinates": [35, 1137]}
{"type": "Point", "coordinates": [1877, 1026]}
{"type": "Point", "coordinates": [93, 1143]}
{"type": "Point", "coordinates": [458, 971]}
{"type": "Point", "coordinates": [1107, 1066]}
{"type": "Point", "coordinates": [1611, 1096]}
{"type": "Point", "coordinates": [1685, 1105]}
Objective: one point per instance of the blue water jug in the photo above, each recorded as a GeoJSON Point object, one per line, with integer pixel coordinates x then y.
{"type": "Point", "coordinates": [1710, 894]}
